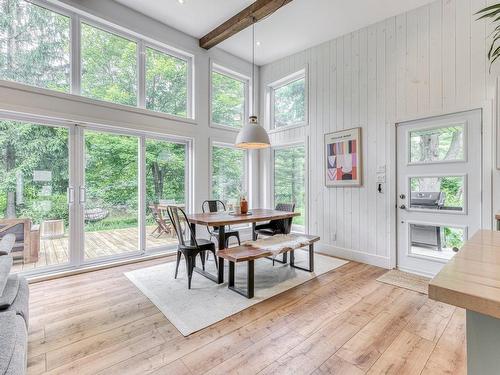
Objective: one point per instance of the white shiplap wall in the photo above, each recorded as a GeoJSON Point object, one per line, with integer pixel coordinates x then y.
{"type": "Point", "coordinates": [425, 62]}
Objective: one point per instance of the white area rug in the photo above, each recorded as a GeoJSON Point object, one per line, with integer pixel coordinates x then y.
{"type": "Point", "coordinates": [207, 303]}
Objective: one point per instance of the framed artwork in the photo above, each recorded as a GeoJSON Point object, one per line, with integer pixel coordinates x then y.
{"type": "Point", "coordinates": [343, 158]}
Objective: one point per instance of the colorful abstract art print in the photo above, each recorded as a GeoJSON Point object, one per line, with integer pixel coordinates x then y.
{"type": "Point", "coordinates": [343, 158]}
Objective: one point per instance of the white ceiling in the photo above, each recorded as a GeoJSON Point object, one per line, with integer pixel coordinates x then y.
{"type": "Point", "coordinates": [299, 25]}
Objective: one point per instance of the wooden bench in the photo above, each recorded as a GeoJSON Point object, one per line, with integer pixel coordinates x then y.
{"type": "Point", "coordinates": [249, 252]}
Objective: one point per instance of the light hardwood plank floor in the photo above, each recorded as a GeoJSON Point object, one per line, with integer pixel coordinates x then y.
{"type": "Point", "coordinates": [343, 322]}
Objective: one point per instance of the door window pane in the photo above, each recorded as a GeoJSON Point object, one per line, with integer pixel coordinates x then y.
{"type": "Point", "coordinates": [34, 45]}
{"type": "Point", "coordinates": [435, 241]}
{"type": "Point", "coordinates": [33, 185]}
{"type": "Point", "coordinates": [289, 103]}
{"type": "Point", "coordinates": [438, 193]}
{"type": "Point", "coordinates": [110, 212]}
{"type": "Point", "coordinates": [109, 66]}
{"type": "Point", "coordinates": [228, 174]}
{"type": "Point", "coordinates": [166, 83]}
{"type": "Point", "coordinates": [438, 144]}
{"type": "Point", "coordinates": [289, 181]}
{"type": "Point", "coordinates": [165, 185]}
{"type": "Point", "coordinates": [228, 100]}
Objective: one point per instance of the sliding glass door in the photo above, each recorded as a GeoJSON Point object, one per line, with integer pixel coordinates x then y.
{"type": "Point", "coordinates": [74, 195]}
{"type": "Point", "coordinates": [110, 194]}
{"type": "Point", "coordinates": [35, 193]}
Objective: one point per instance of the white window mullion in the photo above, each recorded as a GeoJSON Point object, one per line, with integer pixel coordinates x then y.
{"type": "Point", "coordinates": [75, 55]}
{"type": "Point", "coordinates": [142, 194]}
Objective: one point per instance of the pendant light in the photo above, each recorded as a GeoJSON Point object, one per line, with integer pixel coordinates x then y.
{"type": "Point", "coordinates": [252, 135]}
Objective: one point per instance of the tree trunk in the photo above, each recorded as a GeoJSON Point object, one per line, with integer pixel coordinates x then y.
{"type": "Point", "coordinates": [157, 180]}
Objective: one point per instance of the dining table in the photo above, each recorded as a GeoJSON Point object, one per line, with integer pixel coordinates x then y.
{"type": "Point", "coordinates": [224, 218]}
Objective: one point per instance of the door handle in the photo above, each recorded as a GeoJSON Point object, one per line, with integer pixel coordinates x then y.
{"type": "Point", "coordinates": [82, 195]}
{"type": "Point", "coordinates": [70, 195]}
{"type": "Point", "coordinates": [403, 207]}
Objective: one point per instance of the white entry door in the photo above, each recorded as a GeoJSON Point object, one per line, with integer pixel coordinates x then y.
{"type": "Point", "coordinates": [439, 189]}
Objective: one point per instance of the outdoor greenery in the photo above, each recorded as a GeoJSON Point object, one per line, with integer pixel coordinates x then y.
{"type": "Point", "coordinates": [289, 103]}
{"type": "Point", "coordinates": [228, 174]}
{"type": "Point", "coordinates": [109, 66]}
{"type": "Point", "coordinates": [228, 100]}
{"type": "Point", "coordinates": [34, 45]}
{"type": "Point", "coordinates": [289, 179]}
{"type": "Point", "coordinates": [166, 83]}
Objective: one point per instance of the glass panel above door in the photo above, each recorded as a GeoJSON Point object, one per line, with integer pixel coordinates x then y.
{"type": "Point", "coordinates": [437, 144]}
{"type": "Point", "coordinates": [438, 193]}
{"type": "Point", "coordinates": [34, 181]}
{"type": "Point", "coordinates": [111, 194]}
{"type": "Point", "coordinates": [435, 241]}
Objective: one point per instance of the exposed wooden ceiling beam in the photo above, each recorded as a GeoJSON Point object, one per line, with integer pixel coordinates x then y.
{"type": "Point", "coordinates": [259, 10]}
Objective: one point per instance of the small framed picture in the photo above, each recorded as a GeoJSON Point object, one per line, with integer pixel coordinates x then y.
{"type": "Point", "coordinates": [343, 158]}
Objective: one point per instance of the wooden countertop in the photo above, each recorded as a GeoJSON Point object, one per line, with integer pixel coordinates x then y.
{"type": "Point", "coordinates": [472, 278]}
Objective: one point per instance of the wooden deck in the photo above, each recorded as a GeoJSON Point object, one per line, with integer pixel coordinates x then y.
{"type": "Point", "coordinates": [97, 244]}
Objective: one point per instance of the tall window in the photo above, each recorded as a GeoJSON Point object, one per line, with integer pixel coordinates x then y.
{"type": "Point", "coordinates": [228, 99]}
{"type": "Point", "coordinates": [166, 83]}
{"type": "Point", "coordinates": [34, 45]}
{"type": "Point", "coordinates": [109, 66]}
{"type": "Point", "coordinates": [289, 101]}
{"type": "Point", "coordinates": [229, 170]}
{"type": "Point", "coordinates": [289, 179]}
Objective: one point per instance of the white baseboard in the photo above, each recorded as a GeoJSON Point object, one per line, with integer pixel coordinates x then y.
{"type": "Point", "coordinates": [417, 272]}
{"type": "Point", "coordinates": [354, 255]}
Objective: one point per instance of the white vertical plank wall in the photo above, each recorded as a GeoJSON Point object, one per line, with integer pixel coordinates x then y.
{"type": "Point", "coordinates": [425, 62]}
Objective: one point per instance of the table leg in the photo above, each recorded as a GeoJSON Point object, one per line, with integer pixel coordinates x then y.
{"type": "Point", "coordinates": [254, 235]}
{"type": "Point", "coordinates": [193, 229]}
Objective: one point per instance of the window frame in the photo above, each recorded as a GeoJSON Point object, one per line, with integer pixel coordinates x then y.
{"type": "Point", "coordinates": [272, 87]}
{"type": "Point", "coordinates": [274, 148]}
{"type": "Point", "coordinates": [220, 69]}
{"type": "Point", "coordinates": [77, 17]}
{"type": "Point", "coordinates": [246, 177]}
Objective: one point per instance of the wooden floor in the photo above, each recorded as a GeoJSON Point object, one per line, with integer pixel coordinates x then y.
{"type": "Point", "coordinates": [97, 244]}
{"type": "Point", "coordinates": [343, 322]}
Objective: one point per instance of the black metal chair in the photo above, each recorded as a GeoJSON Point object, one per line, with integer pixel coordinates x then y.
{"type": "Point", "coordinates": [189, 245]}
{"type": "Point", "coordinates": [214, 205]}
{"type": "Point", "coordinates": [282, 226]}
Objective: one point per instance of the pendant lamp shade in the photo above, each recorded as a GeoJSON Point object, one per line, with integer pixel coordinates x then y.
{"type": "Point", "coordinates": [252, 136]}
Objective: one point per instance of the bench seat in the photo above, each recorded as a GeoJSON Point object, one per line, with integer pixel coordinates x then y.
{"type": "Point", "coordinates": [253, 250]}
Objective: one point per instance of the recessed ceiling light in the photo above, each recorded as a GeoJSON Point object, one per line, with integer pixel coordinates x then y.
{"type": "Point", "coordinates": [258, 44]}
{"type": "Point", "coordinates": [181, 1]}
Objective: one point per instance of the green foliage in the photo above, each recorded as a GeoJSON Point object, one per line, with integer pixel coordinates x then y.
{"type": "Point", "coordinates": [289, 180]}
{"type": "Point", "coordinates": [109, 66]}
{"type": "Point", "coordinates": [289, 103]}
{"type": "Point", "coordinates": [34, 45]}
{"type": "Point", "coordinates": [228, 173]}
{"type": "Point", "coordinates": [166, 83]}
{"type": "Point", "coordinates": [493, 12]}
{"type": "Point", "coordinates": [453, 237]}
{"type": "Point", "coordinates": [228, 100]}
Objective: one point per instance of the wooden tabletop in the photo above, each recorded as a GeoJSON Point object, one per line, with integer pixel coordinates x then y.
{"type": "Point", "coordinates": [472, 278]}
{"type": "Point", "coordinates": [225, 218]}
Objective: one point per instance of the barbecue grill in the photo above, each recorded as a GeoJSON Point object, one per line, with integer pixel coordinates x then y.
{"type": "Point", "coordinates": [427, 235]}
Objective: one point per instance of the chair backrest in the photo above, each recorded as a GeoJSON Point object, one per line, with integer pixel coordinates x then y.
{"type": "Point", "coordinates": [284, 225]}
{"type": "Point", "coordinates": [213, 205]}
{"type": "Point", "coordinates": [181, 226]}
{"type": "Point", "coordinates": [158, 217]}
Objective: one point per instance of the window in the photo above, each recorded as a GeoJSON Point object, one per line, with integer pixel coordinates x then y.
{"type": "Point", "coordinates": [288, 101]}
{"type": "Point", "coordinates": [289, 178]}
{"type": "Point", "coordinates": [448, 193]}
{"type": "Point", "coordinates": [228, 99]}
{"type": "Point", "coordinates": [34, 45]}
{"type": "Point", "coordinates": [229, 170]}
{"type": "Point", "coordinates": [166, 83]}
{"type": "Point", "coordinates": [109, 66]}
{"type": "Point", "coordinates": [437, 144]}
{"type": "Point", "coordinates": [437, 241]}
{"type": "Point", "coordinates": [166, 183]}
